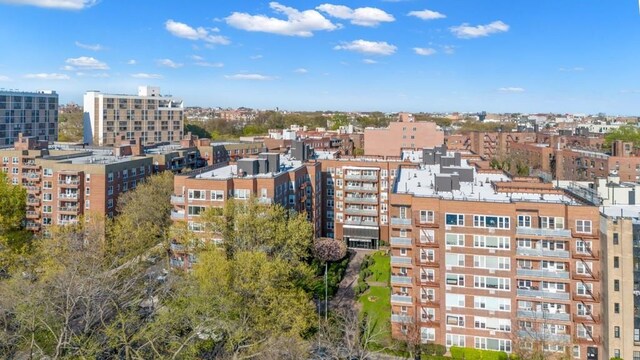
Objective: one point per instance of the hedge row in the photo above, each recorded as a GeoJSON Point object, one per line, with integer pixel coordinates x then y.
{"type": "Point", "coordinates": [477, 354]}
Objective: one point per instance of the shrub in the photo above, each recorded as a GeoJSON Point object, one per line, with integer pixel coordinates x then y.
{"type": "Point", "coordinates": [457, 352]}
{"type": "Point", "coordinates": [434, 349]}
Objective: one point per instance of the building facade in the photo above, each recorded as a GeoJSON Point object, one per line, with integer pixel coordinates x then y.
{"type": "Point", "coordinates": [148, 116]}
{"type": "Point", "coordinates": [401, 135]}
{"type": "Point", "coordinates": [30, 113]}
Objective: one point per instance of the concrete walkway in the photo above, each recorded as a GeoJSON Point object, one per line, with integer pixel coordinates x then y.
{"type": "Point", "coordinates": [345, 296]}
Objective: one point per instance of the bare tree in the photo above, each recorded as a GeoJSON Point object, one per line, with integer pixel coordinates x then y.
{"type": "Point", "coordinates": [327, 250]}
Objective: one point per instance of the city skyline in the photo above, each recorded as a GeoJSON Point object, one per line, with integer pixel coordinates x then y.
{"type": "Point", "coordinates": [392, 55]}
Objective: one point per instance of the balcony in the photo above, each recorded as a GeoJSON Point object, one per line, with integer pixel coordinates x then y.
{"type": "Point", "coordinates": [543, 232]}
{"type": "Point", "coordinates": [544, 315]}
{"type": "Point", "coordinates": [69, 183]}
{"type": "Point", "coordinates": [400, 241]}
{"type": "Point", "coordinates": [543, 273]}
{"type": "Point", "coordinates": [362, 212]}
{"type": "Point", "coordinates": [32, 189]}
{"type": "Point", "coordinates": [545, 336]}
{"type": "Point", "coordinates": [359, 200]}
{"type": "Point", "coordinates": [68, 196]}
{"type": "Point", "coordinates": [402, 280]}
{"type": "Point", "coordinates": [401, 318]}
{"type": "Point", "coordinates": [561, 254]}
{"type": "Point", "coordinates": [400, 221]}
{"type": "Point", "coordinates": [403, 299]}
{"type": "Point", "coordinates": [32, 226]}
{"type": "Point", "coordinates": [543, 294]}
{"type": "Point", "coordinates": [177, 215]}
{"type": "Point", "coordinates": [177, 199]}
{"type": "Point", "coordinates": [400, 260]}
{"type": "Point", "coordinates": [68, 209]}
{"type": "Point", "coordinates": [31, 175]}
{"type": "Point", "coordinates": [371, 178]}
{"type": "Point", "coordinates": [367, 189]}
{"type": "Point", "coordinates": [361, 222]}
{"type": "Point", "coordinates": [33, 201]}
{"type": "Point", "coordinates": [29, 165]}
{"type": "Point", "coordinates": [67, 221]}
{"type": "Point", "coordinates": [33, 215]}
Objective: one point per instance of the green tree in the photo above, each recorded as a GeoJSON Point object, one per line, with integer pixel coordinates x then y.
{"type": "Point", "coordinates": [71, 126]}
{"type": "Point", "coordinates": [15, 241]}
{"type": "Point", "coordinates": [626, 133]}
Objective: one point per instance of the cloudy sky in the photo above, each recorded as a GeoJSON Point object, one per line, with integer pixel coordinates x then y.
{"type": "Point", "coordinates": [414, 55]}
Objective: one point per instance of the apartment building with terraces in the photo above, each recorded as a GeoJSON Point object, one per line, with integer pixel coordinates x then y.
{"type": "Point", "coordinates": [29, 113]}
{"type": "Point", "coordinates": [289, 180]}
{"type": "Point", "coordinates": [486, 261]}
{"type": "Point", "coordinates": [64, 183]}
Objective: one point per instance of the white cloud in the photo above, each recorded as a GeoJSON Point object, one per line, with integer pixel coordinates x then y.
{"type": "Point", "coordinates": [146, 76]}
{"type": "Point", "coordinates": [132, 62]}
{"type": "Point", "coordinates": [4, 78]}
{"type": "Point", "coordinates": [511, 89]}
{"type": "Point", "coordinates": [449, 49]}
{"type": "Point", "coordinates": [168, 63]}
{"type": "Point", "coordinates": [55, 4]}
{"type": "Point", "coordinates": [185, 31]}
{"type": "Point", "coordinates": [573, 69]}
{"type": "Point", "coordinates": [257, 77]}
{"type": "Point", "coordinates": [427, 14]}
{"type": "Point", "coordinates": [368, 47]}
{"type": "Point", "coordinates": [196, 57]}
{"type": "Point", "coordinates": [85, 63]}
{"type": "Point", "coordinates": [93, 75]}
{"type": "Point", "coordinates": [301, 71]}
{"type": "Point", "coordinates": [47, 76]}
{"type": "Point", "coordinates": [298, 23]}
{"type": "Point", "coordinates": [92, 47]}
{"type": "Point", "coordinates": [364, 16]}
{"type": "Point", "coordinates": [424, 51]}
{"type": "Point", "coordinates": [210, 64]}
{"type": "Point", "coordinates": [255, 57]}
{"type": "Point", "coordinates": [466, 31]}
{"type": "Point", "coordinates": [369, 61]}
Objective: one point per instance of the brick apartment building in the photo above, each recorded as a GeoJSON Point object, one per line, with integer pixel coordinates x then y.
{"type": "Point", "coordinates": [286, 179]}
{"type": "Point", "coordinates": [148, 116]}
{"type": "Point", "coordinates": [403, 134]}
{"type": "Point", "coordinates": [65, 183]}
{"type": "Point", "coordinates": [29, 113]}
{"type": "Point", "coordinates": [489, 144]}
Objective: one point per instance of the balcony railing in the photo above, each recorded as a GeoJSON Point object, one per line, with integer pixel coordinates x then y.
{"type": "Point", "coordinates": [368, 200]}
{"type": "Point", "coordinates": [177, 215]}
{"type": "Point", "coordinates": [400, 221]}
{"type": "Point", "coordinates": [543, 294]}
{"type": "Point", "coordinates": [71, 182]}
{"type": "Point", "coordinates": [361, 177]}
{"type": "Point", "coordinates": [397, 279]}
{"type": "Point", "coordinates": [400, 241]}
{"type": "Point", "coordinates": [361, 188]}
{"type": "Point", "coordinates": [73, 209]}
{"type": "Point", "coordinates": [400, 260]}
{"type": "Point", "coordinates": [401, 318]}
{"type": "Point", "coordinates": [562, 254]}
{"type": "Point", "coordinates": [361, 222]}
{"type": "Point", "coordinates": [68, 196]}
{"type": "Point", "coordinates": [177, 199]}
{"type": "Point", "coordinates": [544, 315]}
{"type": "Point", "coordinates": [543, 273]}
{"type": "Point", "coordinates": [362, 212]}
{"type": "Point", "coordinates": [545, 336]}
{"type": "Point", "coordinates": [543, 232]}
{"type": "Point", "coordinates": [404, 299]}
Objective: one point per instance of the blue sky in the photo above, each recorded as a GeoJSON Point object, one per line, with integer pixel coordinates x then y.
{"type": "Point", "coordinates": [578, 56]}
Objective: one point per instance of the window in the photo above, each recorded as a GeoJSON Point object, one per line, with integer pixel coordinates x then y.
{"type": "Point", "coordinates": [455, 280]}
{"type": "Point", "coordinates": [616, 334]}
{"type": "Point", "coordinates": [110, 190]}
{"type": "Point", "coordinates": [242, 194]}
{"type": "Point", "coordinates": [616, 285]}
{"type": "Point", "coordinates": [492, 324]}
{"type": "Point", "coordinates": [616, 308]}
{"type": "Point", "coordinates": [550, 222]}
{"type": "Point", "coordinates": [499, 222]}
{"type": "Point", "coordinates": [15, 160]}
{"type": "Point", "coordinates": [454, 260]}
{"type": "Point", "coordinates": [455, 300]}
{"type": "Point", "coordinates": [196, 210]}
{"type": "Point", "coordinates": [110, 203]}
{"type": "Point", "coordinates": [457, 340]}
{"type": "Point", "coordinates": [47, 197]}
{"type": "Point", "coordinates": [455, 320]}
{"type": "Point", "coordinates": [217, 195]}
{"type": "Point", "coordinates": [616, 240]}
{"type": "Point", "coordinates": [492, 303]}
{"type": "Point", "coordinates": [583, 226]}
{"type": "Point", "coordinates": [584, 331]}
{"type": "Point", "coordinates": [197, 195]}
{"type": "Point", "coordinates": [493, 283]}
{"type": "Point", "coordinates": [491, 242]}
{"type": "Point", "coordinates": [524, 221]}
{"type": "Point", "coordinates": [47, 172]}
{"type": "Point", "coordinates": [46, 209]}
{"type": "Point", "coordinates": [636, 355]}
{"type": "Point", "coordinates": [492, 344]}
{"type": "Point", "coordinates": [583, 246]}
{"type": "Point", "coordinates": [426, 216]}
{"type": "Point", "coordinates": [455, 219]}
{"type": "Point", "coordinates": [584, 288]}
{"type": "Point", "coordinates": [491, 262]}
{"type": "Point", "coordinates": [110, 177]}
{"type": "Point", "coordinates": [616, 262]}
{"type": "Point", "coordinates": [87, 204]}
{"type": "Point", "coordinates": [454, 239]}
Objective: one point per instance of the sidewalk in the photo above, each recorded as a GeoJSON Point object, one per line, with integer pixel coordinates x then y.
{"type": "Point", "coordinates": [345, 297]}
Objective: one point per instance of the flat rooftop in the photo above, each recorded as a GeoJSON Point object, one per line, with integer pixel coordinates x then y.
{"type": "Point", "coordinates": [625, 211]}
{"type": "Point", "coordinates": [287, 164]}
{"type": "Point", "coordinates": [420, 182]}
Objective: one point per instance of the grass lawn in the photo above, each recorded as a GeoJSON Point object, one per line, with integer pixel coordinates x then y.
{"type": "Point", "coordinates": [381, 268]}
{"type": "Point", "coordinates": [378, 310]}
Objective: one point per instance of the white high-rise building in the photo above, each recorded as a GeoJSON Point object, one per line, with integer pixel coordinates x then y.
{"type": "Point", "coordinates": [148, 116]}
{"type": "Point", "coordinates": [30, 113]}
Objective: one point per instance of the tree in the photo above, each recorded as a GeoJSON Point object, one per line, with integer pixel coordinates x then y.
{"type": "Point", "coordinates": [15, 241]}
{"type": "Point", "coordinates": [71, 125]}
{"type": "Point", "coordinates": [626, 133]}
{"type": "Point", "coordinates": [328, 250]}
{"type": "Point", "coordinates": [347, 336]}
